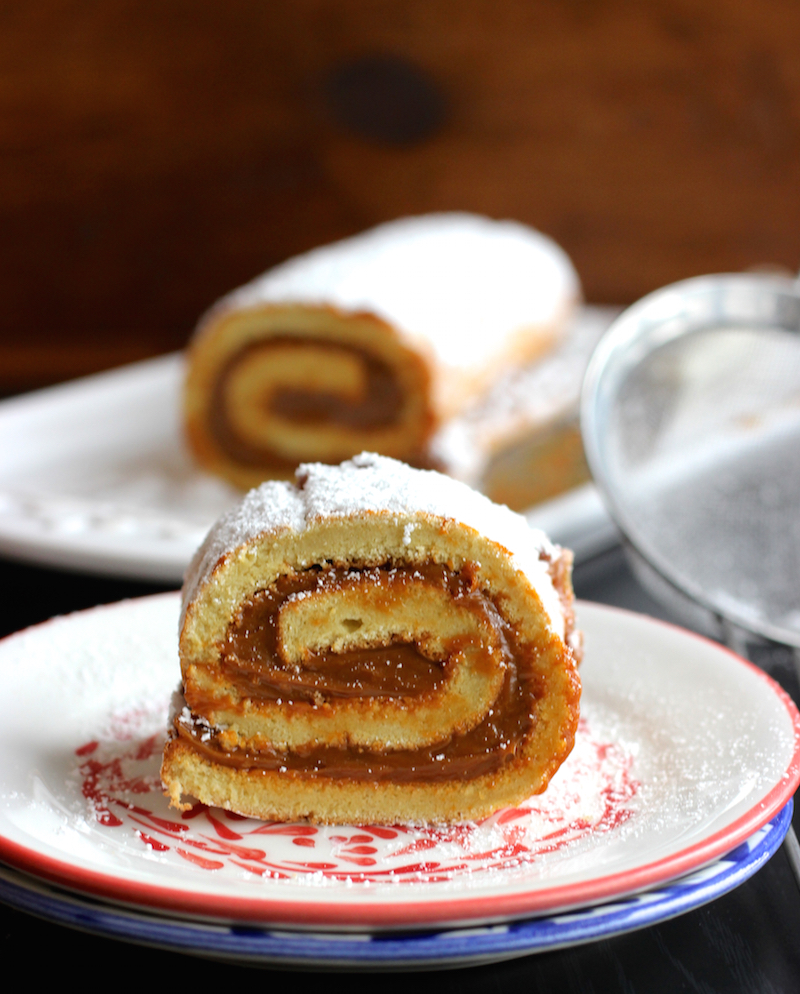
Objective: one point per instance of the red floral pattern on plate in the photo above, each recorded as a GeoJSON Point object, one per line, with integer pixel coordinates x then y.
{"type": "Point", "coordinates": [594, 791]}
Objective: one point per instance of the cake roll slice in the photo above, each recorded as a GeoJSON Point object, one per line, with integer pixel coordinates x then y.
{"type": "Point", "coordinates": [373, 644]}
{"type": "Point", "coordinates": [370, 343]}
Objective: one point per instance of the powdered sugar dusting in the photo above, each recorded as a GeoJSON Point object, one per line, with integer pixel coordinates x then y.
{"type": "Point", "coordinates": [366, 485]}
{"type": "Point", "coordinates": [447, 278]}
{"type": "Point", "coordinates": [525, 400]}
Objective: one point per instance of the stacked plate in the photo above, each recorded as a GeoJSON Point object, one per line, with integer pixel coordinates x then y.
{"type": "Point", "coordinates": [679, 788]}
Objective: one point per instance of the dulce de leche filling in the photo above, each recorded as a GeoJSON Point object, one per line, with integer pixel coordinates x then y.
{"type": "Point", "coordinates": [376, 406]}
{"type": "Point", "coordinates": [252, 664]}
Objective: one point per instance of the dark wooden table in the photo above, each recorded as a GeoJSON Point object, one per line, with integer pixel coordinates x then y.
{"type": "Point", "coordinates": [747, 940]}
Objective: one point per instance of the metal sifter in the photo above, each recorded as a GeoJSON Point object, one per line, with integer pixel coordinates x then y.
{"type": "Point", "coordinates": [691, 422]}
{"type": "Point", "coordinates": [691, 425]}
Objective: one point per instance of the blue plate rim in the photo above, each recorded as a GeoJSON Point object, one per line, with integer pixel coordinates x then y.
{"type": "Point", "coordinates": [428, 948]}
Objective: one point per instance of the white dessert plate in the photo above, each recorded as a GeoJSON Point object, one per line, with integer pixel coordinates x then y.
{"type": "Point", "coordinates": [684, 752]}
{"type": "Point", "coordinates": [405, 950]}
{"type": "Point", "coordinates": [95, 476]}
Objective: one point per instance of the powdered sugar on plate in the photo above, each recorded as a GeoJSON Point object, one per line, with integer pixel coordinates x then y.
{"type": "Point", "coordinates": [595, 792]}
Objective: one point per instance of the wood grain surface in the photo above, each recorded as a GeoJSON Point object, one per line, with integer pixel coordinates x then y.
{"type": "Point", "coordinates": [158, 153]}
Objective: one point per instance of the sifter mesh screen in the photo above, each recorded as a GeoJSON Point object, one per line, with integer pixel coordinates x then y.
{"type": "Point", "coordinates": [696, 441]}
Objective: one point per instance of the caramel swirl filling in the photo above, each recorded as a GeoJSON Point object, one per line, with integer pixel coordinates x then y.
{"type": "Point", "coordinates": [389, 673]}
{"type": "Point", "coordinates": [288, 397]}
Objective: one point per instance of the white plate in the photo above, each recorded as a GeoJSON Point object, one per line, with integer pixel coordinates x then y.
{"type": "Point", "coordinates": [684, 752]}
{"type": "Point", "coordinates": [94, 475]}
{"type": "Point", "coordinates": [404, 950]}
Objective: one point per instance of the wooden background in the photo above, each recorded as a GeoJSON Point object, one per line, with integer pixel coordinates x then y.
{"type": "Point", "coordinates": [157, 153]}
